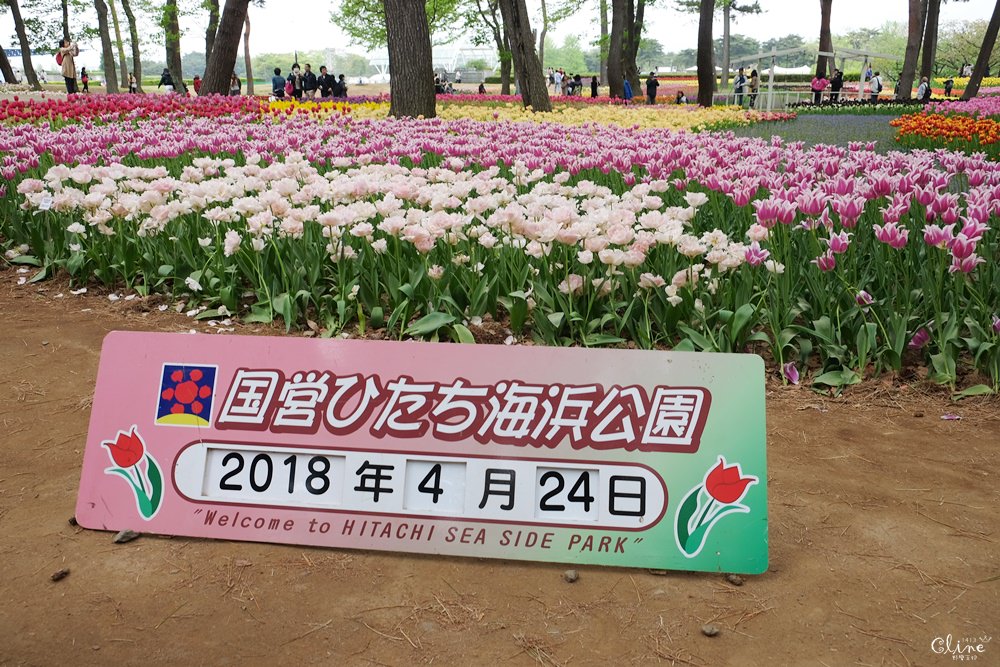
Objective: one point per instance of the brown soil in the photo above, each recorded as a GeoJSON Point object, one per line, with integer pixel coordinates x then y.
{"type": "Point", "coordinates": [883, 537]}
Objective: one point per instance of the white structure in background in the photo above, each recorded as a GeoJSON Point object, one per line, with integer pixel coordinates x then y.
{"type": "Point", "coordinates": [447, 59]}
{"type": "Point", "coordinates": [755, 61]}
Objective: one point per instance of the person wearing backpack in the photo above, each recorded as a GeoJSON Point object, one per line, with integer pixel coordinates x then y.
{"type": "Point", "coordinates": [875, 87]}
{"type": "Point", "coordinates": [66, 59]}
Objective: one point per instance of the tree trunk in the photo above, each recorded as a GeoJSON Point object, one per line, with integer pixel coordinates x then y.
{"type": "Point", "coordinates": [534, 91]}
{"type": "Point", "coordinates": [983, 61]}
{"type": "Point", "coordinates": [246, 55]}
{"type": "Point", "coordinates": [505, 68]}
{"type": "Point", "coordinates": [219, 71]}
{"type": "Point", "coordinates": [118, 41]}
{"type": "Point", "coordinates": [604, 41]}
{"type": "Point", "coordinates": [825, 37]}
{"type": "Point", "coordinates": [411, 66]}
{"type": "Point", "coordinates": [541, 36]}
{"type": "Point", "coordinates": [616, 48]}
{"type": "Point", "coordinates": [172, 34]}
{"type": "Point", "coordinates": [212, 29]}
{"type": "Point", "coordinates": [107, 51]}
{"type": "Point", "coordinates": [5, 68]}
{"type": "Point", "coordinates": [633, 34]}
{"type": "Point", "coordinates": [727, 9]}
{"type": "Point", "coordinates": [22, 38]}
{"type": "Point", "coordinates": [65, 19]}
{"type": "Point", "coordinates": [930, 39]}
{"type": "Point", "coordinates": [706, 68]}
{"type": "Point", "coordinates": [913, 36]}
{"type": "Point", "coordinates": [133, 32]}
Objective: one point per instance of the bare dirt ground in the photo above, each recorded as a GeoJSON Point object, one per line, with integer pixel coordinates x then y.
{"type": "Point", "coordinates": [883, 537]}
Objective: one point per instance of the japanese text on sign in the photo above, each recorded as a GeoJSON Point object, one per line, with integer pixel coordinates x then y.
{"type": "Point", "coordinates": [509, 412]}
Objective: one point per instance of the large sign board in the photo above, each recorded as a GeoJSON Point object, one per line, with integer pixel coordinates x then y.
{"type": "Point", "coordinates": [612, 457]}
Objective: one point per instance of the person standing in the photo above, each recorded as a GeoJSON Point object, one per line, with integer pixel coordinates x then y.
{"type": "Point", "coordinates": [309, 82]}
{"type": "Point", "coordinates": [133, 85]}
{"type": "Point", "coordinates": [628, 91]}
{"type": "Point", "coordinates": [278, 84]}
{"type": "Point", "coordinates": [342, 87]}
{"type": "Point", "coordinates": [593, 86]}
{"type": "Point", "coordinates": [836, 84]}
{"type": "Point", "coordinates": [557, 80]}
{"type": "Point", "coordinates": [875, 87]}
{"type": "Point", "coordinates": [754, 88]}
{"type": "Point", "coordinates": [739, 84]}
{"type": "Point", "coordinates": [818, 85]}
{"type": "Point", "coordinates": [295, 78]}
{"type": "Point", "coordinates": [651, 85]}
{"type": "Point", "coordinates": [235, 86]}
{"type": "Point", "coordinates": [325, 82]}
{"type": "Point", "coordinates": [66, 57]}
{"type": "Point", "coordinates": [166, 81]}
{"type": "Point", "coordinates": [196, 84]}
{"type": "Point", "coordinates": [482, 88]}
{"type": "Point", "coordinates": [85, 79]}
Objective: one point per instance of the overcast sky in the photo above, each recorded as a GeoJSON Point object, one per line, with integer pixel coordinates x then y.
{"type": "Point", "coordinates": [285, 25]}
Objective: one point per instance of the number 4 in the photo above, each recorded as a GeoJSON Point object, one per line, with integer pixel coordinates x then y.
{"type": "Point", "coordinates": [432, 483]}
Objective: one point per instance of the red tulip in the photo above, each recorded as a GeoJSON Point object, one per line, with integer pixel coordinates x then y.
{"type": "Point", "coordinates": [725, 484]}
{"type": "Point", "coordinates": [127, 450]}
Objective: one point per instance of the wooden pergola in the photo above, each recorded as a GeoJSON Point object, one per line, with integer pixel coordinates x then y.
{"type": "Point", "coordinates": [848, 54]}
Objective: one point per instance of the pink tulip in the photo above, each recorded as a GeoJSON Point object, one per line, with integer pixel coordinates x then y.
{"type": "Point", "coordinates": [892, 235]}
{"type": "Point", "coordinates": [962, 246]}
{"type": "Point", "coordinates": [863, 299]}
{"type": "Point", "coordinates": [755, 255]}
{"type": "Point", "coordinates": [939, 237]}
{"type": "Point", "coordinates": [920, 338]}
{"type": "Point", "coordinates": [965, 264]}
{"type": "Point", "coordinates": [839, 243]}
{"type": "Point", "coordinates": [825, 262]}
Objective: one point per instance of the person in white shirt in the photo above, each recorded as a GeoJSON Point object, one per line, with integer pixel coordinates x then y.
{"type": "Point", "coordinates": [557, 78]}
{"type": "Point", "coordinates": [875, 86]}
{"type": "Point", "coordinates": [924, 90]}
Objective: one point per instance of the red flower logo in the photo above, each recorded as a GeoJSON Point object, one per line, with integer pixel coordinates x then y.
{"type": "Point", "coordinates": [127, 450]}
{"type": "Point", "coordinates": [726, 484]}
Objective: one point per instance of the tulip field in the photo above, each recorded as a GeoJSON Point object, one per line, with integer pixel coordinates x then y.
{"type": "Point", "coordinates": [595, 225]}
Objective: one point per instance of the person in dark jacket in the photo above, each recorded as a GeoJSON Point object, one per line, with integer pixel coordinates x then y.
{"type": "Point", "coordinates": [309, 82]}
{"type": "Point", "coordinates": [341, 89]}
{"type": "Point", "coordinates": [278, 84]}
{"type": "Point", "coordinates": [593, 86]}
{"type": "Point", "coordinates": [166, 80]}
{"type": "Point", "coordinates": [836, 85]}
{"type": "Point", "coordinates": [326, 82]}
{"type": "Point", "coordinates": [651, 85]}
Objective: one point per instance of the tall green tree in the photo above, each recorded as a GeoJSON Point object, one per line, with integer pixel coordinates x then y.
{"type": "Point", "coordinates": [824, 63]}
{"type": "Point", "coordinates": [5, 68]}
{"type": "Point", "coordinates": [914, 35]}
{"type": "Point", "coordinates": [118, 42]}
{"type": "Point", "coordinates": [219, 70]}
{"type": "Point", "coordinates": [364, 21]}
{"type": "Point", "coordinates": [534, 89]}
{"type": "Point", "coordinates": [22, 38]}
{"type": "Point", "coordinates": [731, 10]}
{"type": "Point", "coordinates": [213, 27]}
{"type": "Point", "coordinates": [133, 31]}
{"type": "Point", "coordinates": [107, 51]}
{"type": "Point", "coordinates": [706, 68]}
{"type": "Point", "coordinates": [411, 65]}
{"type": "Point", "coordinates": [483, 17]}
{"type": "Point", "coordinates": [983, 61]}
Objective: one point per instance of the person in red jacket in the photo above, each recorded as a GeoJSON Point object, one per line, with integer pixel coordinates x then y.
{"type": "Point", "coordinates": [196, 82]}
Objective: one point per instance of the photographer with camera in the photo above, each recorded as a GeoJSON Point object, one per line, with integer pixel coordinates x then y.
{"type": "Point", "coordinates": [66, 58]}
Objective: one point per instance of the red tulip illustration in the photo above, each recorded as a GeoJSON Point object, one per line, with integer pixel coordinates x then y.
{"type": "Point", "coordinates": [725, 483]}
{"type": "Point", "coordinates": [127, 452]}
{"type": "Point", "coordinates": [718, 495]}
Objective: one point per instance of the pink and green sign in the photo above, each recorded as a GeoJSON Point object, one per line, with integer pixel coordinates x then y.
{"type": "Point", "coordinates": [610, 457]}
